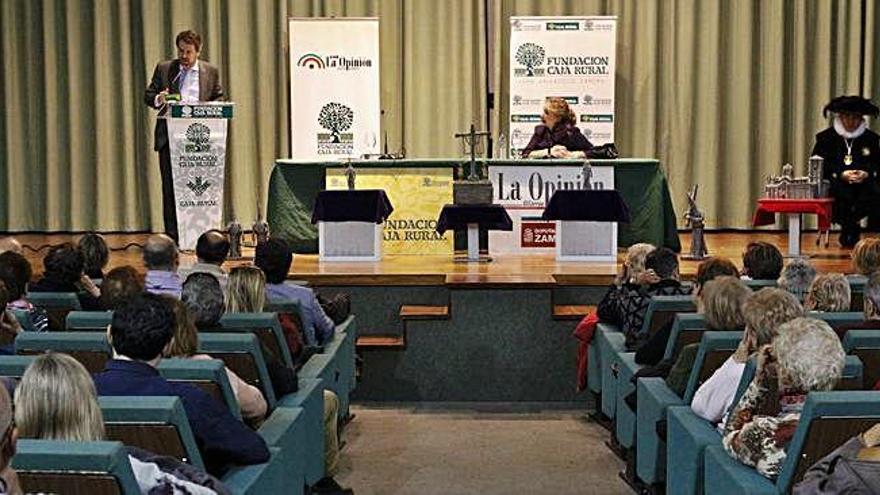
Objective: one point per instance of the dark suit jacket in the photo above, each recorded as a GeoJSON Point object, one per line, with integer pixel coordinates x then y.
{"type": "Point", "coordinates": [222, 439]}
{"type": "Point", "coordinates": [165, 77]}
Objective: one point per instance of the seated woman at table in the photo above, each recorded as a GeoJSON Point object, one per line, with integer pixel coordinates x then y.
{"type": "Point", "coordinates": [851, 152]}
{"type": "Point", "coordinates": [557, 137]}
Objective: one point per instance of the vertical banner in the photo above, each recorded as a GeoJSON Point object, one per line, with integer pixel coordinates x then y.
{"type": "Point", "coordinates": [417, 194]}
{"type": "Point", "coordinates": [524, 192]}
{"type": "Point", "coordinates": [197, 138]}
{"type": "Point", "coordinates": [569, 57]}
{"type": "Point", "coordinates": [334, 87]}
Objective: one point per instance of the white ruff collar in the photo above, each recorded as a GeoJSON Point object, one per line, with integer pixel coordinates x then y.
{"type": "Point", "coordinates": [842, 132]}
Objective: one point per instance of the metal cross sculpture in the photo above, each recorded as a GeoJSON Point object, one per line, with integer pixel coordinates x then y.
{"type": "Point", "coordinates": [695, 218]}
{"type": "Point", "coordinates": [471, 139]}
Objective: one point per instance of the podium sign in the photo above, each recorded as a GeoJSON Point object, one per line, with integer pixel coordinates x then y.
{"type": "Point", "coordinates": [197, 137]}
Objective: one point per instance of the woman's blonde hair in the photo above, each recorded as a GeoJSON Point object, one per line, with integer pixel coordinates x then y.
{"type": "Point", "coordinates": [246, 290]}
{"type": "Point", "coordinates": [56, 400]}
{"type": "Point", "coordinates": [559, 108]}
{"type": "Point", "coordinates": [634, 261]}
{"type": "Point", "coordinates": [829, 292]}
{"type": "Point", "coordinates": [185, 342]}
{"type": "Point", "coordinates": [721, 303]}
{"type": "Point", "coordinates": [866, 256]}
{"type": "Point", "coordinates": [767, 309]}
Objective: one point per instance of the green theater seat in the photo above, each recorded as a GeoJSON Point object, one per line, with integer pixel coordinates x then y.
{"type": "Point", "coordinates": [52, 466]}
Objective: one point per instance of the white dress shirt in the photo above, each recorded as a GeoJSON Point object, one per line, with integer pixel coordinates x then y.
{"type": "Point", "coordinates": [715, 396]}
{"type": "Point", "coordinates": [189, 84]}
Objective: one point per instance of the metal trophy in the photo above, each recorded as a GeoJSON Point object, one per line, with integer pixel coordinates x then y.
{"type": "Point", "coordinates": [350, 176]}
{"type": "Point", "coordinates": [260, 229]}
{"type": "Point", "coordinates": [474, 189]}
{"type": "Point", "coordinates": [587, 173]}
{"type": "Point", "coordinates": [695, 218]}
{"type": "Point", "coordinates": [235, 233]}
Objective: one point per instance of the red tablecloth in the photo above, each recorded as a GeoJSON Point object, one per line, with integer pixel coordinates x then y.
{"type": "Point", "coordinates": [768, 207]}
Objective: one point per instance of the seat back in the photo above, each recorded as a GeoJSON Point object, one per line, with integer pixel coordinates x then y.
{"type": "Point", "coordinates": [14, 366]}
{"type": "Point", "coordinates": [56, 304]}
{"type": "Point", "coordinates": [838, 321]}
{"type": "Point", "coordinates": [857, 285]}
{"type": "Point", "coordinates": [662, 309]}
{"type": "Point", "coordinates": [757, 285]}
{"type": "Point", "coordinates": [852, 376]}
{"type": "Point", "coordinates": [94, 468]}
{"type": "Point", "coordinates": [866, 345]}
{"type": "Point", "coordinates": [241, 353]}
{"type": "Point", "coordinates": [94, 321]}
{"type": "Point", "coordinates": [265, 326]}
{"type": "Point", "coordinates": [686, 329]}
{"type": "Point", "coordinates": [157, 424]}
{"type": "Point", "coordinates": [89, 348]}
{"type": "Point", "coordinates": [208, 375]}
{"type": "Point", "coordinates": [282, 306]}
{"type": "Point", "coordinates": [828, 420]}
{"type": "Point", "coordinates": [715, 348]}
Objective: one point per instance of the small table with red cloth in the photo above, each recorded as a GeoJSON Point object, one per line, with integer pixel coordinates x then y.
{"type": "Point", "coordinates": [794, 208]}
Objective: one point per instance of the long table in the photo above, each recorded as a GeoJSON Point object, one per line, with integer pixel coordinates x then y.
{"type": "Point", "coordinates": [294, 185]}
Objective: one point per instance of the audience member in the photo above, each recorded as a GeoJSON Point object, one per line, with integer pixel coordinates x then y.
{"type": "Point", "coordinates": [10, 243]}
{"type": "Point", "coordinates": [762, 261]}
{"type": "Point", "coordinates": [829, 292]}
{"type": "Point", "coordinates": [15, 272]}
{"type": "Point", "coordinates": [140, 332]}
{"type": "Point", "coordinates": [274, 258]}
{"type": "Point", "coordinates": [853, 468]}
{"type": "Point", "coordinates": [871, 308]}
{"type": "Point", "coordinates": [56, 400]}
{"type": "Point", "coordinates": [9, 325]}
{"type": "Point", "coordinates": [633, 303]}
{"type": "Point", "coordinates": [204, 298]}
{"type": "Point", "coordinates": [95, 253]}
{"type": "Point", "coordinates": [805, 356]}
{"type": "Point", "coordinates": [796, 277]}
{"type": "Point", "coordinates": [120, 284]}
{"type": "Point", "coordinates": [185, 344]}
{"type": "Point", "coordinates": [866, 256]}
{"type": "Point", "coordinates": [212, 248]}
{"type": "Point", "coordinates": [9, 484]}
{"type": "Point", "coordinates": [651, 353]}
{"type": "Point", "coordinates": [764, 311]}
{"type": "Point", "coordinates": [63, 272]}
{"type": "Point", "coordinates": [632, 274]}
{"type": "Point", "coordinates": [161, 260]}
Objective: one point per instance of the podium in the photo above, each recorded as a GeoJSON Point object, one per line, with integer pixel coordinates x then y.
{"type": "Point", "coordinates": [473, 218]}
{"type": "Point", "coordinates": [197, 140]}
{"type": "Point", "coordinates": [586, 224]}
{"type": "Point", "coordinates": [350, 224]}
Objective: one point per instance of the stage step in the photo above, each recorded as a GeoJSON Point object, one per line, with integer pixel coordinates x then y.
{"type": "Point", "coordinates": [420, 312]}
{"type": "Point", "coordinates": [380, 342]}
{"type": "Point", "coordinates": [571, 311]}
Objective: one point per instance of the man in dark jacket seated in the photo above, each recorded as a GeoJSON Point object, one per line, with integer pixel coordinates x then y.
{"type": "Point", "coordinates": [63, 272]}
{"type": "Point", "coordinates": [139, 333]}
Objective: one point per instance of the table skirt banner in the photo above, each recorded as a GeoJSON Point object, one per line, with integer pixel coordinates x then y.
{"type": "Point", "coordinates": [525, 192]}
{"type": "Point", "coordinates": [765, 213]}
{"type": "Point", "coordinates": [294, 185]}
{"type": "Point", "coordinates": [569, 57]}
{"type": "Point", "coordinates": [417, 194]}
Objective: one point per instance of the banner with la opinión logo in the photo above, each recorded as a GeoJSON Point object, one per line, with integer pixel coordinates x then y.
{"type": "Point", "coordinates": [569, 57]}
{"type": "Point", "coordinates": [334, 87]}
{"type": "Point", "coordinates": [197, 136]}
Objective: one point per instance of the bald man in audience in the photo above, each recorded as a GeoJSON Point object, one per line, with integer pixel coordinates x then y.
{"type": "Point", "coordinates": [161, 258]}
{"type": "Point", "coordinates": [10, 244]}
{"type": "Point", "coordinates": [212, 248]}
{"type": "Point", "coordinates": [8, 479]}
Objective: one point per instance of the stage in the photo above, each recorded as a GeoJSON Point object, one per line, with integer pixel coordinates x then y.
{"type": "Point", "coordinates": [433, 329]}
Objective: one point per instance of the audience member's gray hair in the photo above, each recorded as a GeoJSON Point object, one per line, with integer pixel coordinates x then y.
{"type": "Point", "coordinates": [871, 298]}
{"type": "Point", "coordinates": [769, 308]}
{"type": "Point", "coordinates": [797, 276]}
{"type": "Point", "coordinates": [721, 301]}
{"type": "Point", "coordinates": [809, 354]}
{"type": "Point", "coordinates": [160, 253]}
{"type": "Point", "coordinates": [203, 296]}
{"type": "Point", "coordinates": [829, 292]}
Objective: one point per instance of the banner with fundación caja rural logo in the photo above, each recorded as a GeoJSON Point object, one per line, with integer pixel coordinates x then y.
{"type": "Point", "coordinates": [567, 57]}
{"type": "Point", "coordinates": [197, 137]}
{"type": "Point", "coordinates": [334, 87]}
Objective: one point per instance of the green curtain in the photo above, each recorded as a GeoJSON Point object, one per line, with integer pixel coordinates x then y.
{"type": "Point", "coordinates": [723, 92]}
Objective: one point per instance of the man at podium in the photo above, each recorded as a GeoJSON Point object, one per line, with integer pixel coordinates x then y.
{"type": "Point", "coordinates": [185, 79]}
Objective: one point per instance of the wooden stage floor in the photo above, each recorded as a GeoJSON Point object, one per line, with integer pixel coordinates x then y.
{"type": "Point", "coordinates": [504, 270]}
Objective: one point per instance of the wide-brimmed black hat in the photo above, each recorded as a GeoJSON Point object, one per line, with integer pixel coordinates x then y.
{"type": "Point", "coordinates": [851, 104]}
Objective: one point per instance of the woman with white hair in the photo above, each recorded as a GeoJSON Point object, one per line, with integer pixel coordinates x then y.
{"type": "Point", "coordinates": [796, 277]}
{"type": "Point", "coordinates": [806, 356]}
{"type": "Point", "coordinates": [829, 293]}
{"type": "Point", "coordinates": [764, 311]}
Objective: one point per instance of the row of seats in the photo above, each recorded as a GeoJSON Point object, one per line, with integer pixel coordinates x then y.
{"type": "Point", "coordinates": [681, 455]}
{"type": "Point", "coordinates": [293, 429]}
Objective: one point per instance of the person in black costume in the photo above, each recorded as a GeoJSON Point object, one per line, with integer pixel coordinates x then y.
{"type": "Point", "coordinates": [852, 161]}
{"type": "Point", "coordinates": [558, 136]}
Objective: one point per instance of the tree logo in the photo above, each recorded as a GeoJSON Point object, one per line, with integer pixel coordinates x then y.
{"type": "Point", "coordinates": [532, 57]}
{"type": "Point", "coordinates": [198, 185]}
{"type": "Point", "coordinates": [199, 135]}
{"type": "Point", "coordinates": [336, 118]}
